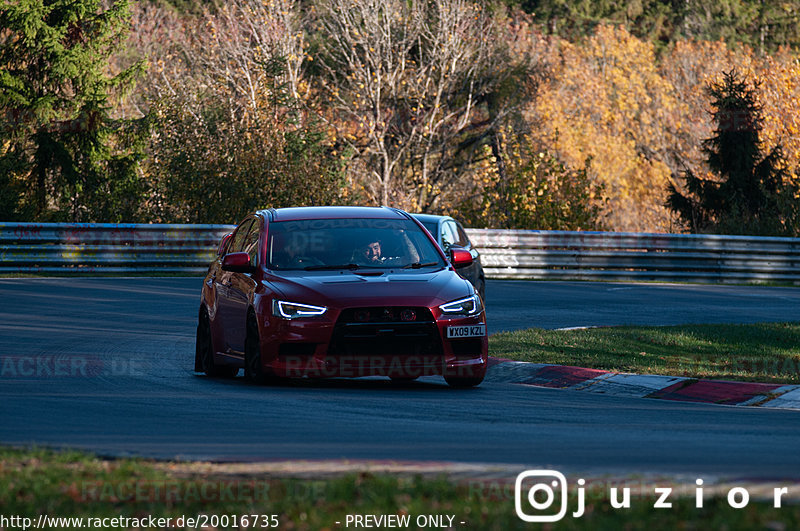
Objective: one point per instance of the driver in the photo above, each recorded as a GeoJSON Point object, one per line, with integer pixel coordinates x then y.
{"type": "Point", "coordinates": [294, 252]}
{"type": "Point", "coordinates": [369, 254]}
{"type": "Point", "coordinates": [383, 251]}
{"type": "Point", "coordinates": [372, 252]}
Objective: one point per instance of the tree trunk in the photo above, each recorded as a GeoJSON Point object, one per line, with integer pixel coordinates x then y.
{"type": "Point", "coordinates": [502, 185]}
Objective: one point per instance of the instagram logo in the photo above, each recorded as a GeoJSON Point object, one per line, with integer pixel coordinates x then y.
{"type": "Point", "coordinates": [535, 495]}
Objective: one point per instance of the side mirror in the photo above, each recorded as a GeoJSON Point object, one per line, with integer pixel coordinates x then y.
{"type": "Point", "coordinates": [237, 263]}
{"type": "Point", "coordinates": [460, 257]}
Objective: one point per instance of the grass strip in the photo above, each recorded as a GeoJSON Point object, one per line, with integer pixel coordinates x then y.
{"type": "Point", "coordinates": [74, 484]}
{"type": "Point", "coordinates": [764, 352]}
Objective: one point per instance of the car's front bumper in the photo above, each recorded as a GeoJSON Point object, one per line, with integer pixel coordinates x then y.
{"type": "Point", "coordinates": [317, 348]}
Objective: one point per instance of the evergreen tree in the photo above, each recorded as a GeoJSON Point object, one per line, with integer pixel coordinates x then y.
{"type": "Point", "coordinates": [762, 24]}
{"type": "Point", "coordinates": [751, 194]}
{"type": "Point", "coordinates": [573, 19]}
{"type": "Point", "coordinates": [62, 156]}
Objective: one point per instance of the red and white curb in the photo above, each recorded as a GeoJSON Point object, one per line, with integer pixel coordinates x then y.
{"type": "Point", "coordinates": [644, 385]}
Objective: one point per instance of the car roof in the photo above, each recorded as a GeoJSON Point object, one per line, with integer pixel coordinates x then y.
{"type": "Point", "coordinates": [429, 218]}
{"type": "Point", "coordinates": [333, 212]}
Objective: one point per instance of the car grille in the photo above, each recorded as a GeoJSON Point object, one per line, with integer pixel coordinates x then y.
{"type": "Point", "coordinates": [385, 331]}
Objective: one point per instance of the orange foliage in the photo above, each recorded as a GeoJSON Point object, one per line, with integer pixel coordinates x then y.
{"type": "Point", "coordinates": [642, 120]}
{"type": "Point", "coordinates": [608, 102]}
{"type": "Point", "coordinates": [691, 66]}
{"type": "Point", "coordinates": [779, 96]}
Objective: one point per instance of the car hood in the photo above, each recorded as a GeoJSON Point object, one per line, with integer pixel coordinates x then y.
{"type": "Point", "coordinates": [368, 288]}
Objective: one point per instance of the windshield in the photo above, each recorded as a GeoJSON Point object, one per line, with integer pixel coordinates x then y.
{"type": "Point", "coordinates": [318, 244]}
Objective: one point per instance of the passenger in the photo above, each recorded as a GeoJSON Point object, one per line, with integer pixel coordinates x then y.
{"type": "Point", "coordinates": [293, 253]}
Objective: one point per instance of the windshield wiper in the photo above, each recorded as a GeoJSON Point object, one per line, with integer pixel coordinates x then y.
{"type": "Point", "coordinates": [351, 267]}
{"type": "Point", "coordinates": [417, 265]}
{"type": "Point", "coordinates": [332, 266]}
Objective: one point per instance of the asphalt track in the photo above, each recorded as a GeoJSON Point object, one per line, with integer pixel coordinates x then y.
{"type": "Point", "coordinates": [105, 364]}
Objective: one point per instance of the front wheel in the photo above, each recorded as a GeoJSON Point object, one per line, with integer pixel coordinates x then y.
{"type": "Point", "coordinates": [253, 370]}
{"type": "Point", "coordinates": [463, 382]}
{"type": "Point", "coordinates": [204, 352]}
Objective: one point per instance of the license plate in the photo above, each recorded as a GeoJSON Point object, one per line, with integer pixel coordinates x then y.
{"type": "Point", "coordinates": [466, 331]}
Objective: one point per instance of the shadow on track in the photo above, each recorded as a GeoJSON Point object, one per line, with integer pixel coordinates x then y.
{"type": "Point", "coordinates": [365, 383]}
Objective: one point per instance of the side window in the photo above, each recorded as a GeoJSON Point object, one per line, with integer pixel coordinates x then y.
{"type": "Point", "coordinates": [238, 239]}
{"type": "Point", "coordinates": [222, 250]}
{"type": "Point", "coordinates": [251, 241]}
{"type": "Point", "coordinates": [432, 228]}
{"type": "Point", "coordinates": [449, 235]}
{"type": "Point", "coordinates": [463, 239]}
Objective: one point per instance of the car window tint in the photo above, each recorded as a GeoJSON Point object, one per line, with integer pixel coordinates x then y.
{"type": "Point", "coordinates": [238, 238]}
{"type": "Point", "coordinates": [339, 242]}
{"type": "Point", "coordinates": [463, 239]}
{"type": "Point", "coordinates": [449, 235]}
{"type": "Point", "coordinates": [251, 242]}
{"type": "Point", "coordinates": [224, 244]}
{"type": "Point", "coordinates": [433, 228]}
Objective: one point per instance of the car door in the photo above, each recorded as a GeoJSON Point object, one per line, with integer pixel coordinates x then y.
{"type": "Point", "coordinates": [226, 299]}
{"type": "Point", "coordinates": [240, 290]}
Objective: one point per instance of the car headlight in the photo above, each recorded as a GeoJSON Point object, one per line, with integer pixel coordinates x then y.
{"type": "Point", "coordinates": [295, 310]}
{"type": "Point", "coordinates": [468, 306]}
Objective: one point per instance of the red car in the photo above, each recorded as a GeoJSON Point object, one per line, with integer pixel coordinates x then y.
{"type": "Point", "coordinates": [339, 292]}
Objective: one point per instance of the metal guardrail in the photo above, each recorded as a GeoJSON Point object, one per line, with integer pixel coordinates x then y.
{"type": "Point", "coordinates": [527, 254]}
{"type": "Point", "coordinates": [107, 247]}
{"type": "Point", "coordinates": [509, 254]}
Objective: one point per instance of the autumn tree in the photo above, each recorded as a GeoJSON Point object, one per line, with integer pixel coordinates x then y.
{"type": "Point", "coordinates": [749, 193]}
{"type": "Point", "coordinates": [607, 101]}
{"type": "Point", "coordinates": [688, 68]}
{"type": "Point", "coordinates": [63, 156]}
{"type": "Point", "coordinates": [230, 132]}
{"type": "Point", "coordinates": [762, 24]}
{"type": "Point", "coordinates": [539, 191]}
{"type": "Point", "coordinates": [574, 19]}
{"type": "Point", "coordinates": [779, 97]}
{"type": "Point", "coordinates": [408, 85]}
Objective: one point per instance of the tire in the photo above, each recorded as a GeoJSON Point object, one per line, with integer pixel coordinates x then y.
{"type": "Point", "coordinates": [463, 383]}
{"type": "Point", "coordinates": [253, 370]}
{"type": "Point", "coordinates": [204, 357]}
{"type": "Point", "coordinates": [482, 291]}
